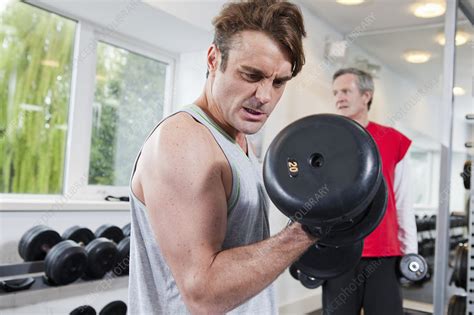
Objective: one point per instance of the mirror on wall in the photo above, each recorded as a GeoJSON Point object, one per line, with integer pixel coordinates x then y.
{"type": "Point", "coordinates": [401, 43]}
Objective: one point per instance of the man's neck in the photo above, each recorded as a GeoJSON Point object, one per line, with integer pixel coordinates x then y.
{"type": "Point", "coordinates": [212, 110]}
{"type": "Point", "coordinates": [362, 119]}
{"type": "Point", "coordinates": [205, 104]}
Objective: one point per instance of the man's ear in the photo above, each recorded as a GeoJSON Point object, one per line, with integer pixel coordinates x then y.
{"type": "Point", "coordinates": [368, 95]}
{"type": "Point", "coordinates": [213, 56]}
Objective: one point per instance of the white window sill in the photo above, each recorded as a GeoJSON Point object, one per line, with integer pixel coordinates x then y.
{"type": "Point", "coordinates": [60, 204]}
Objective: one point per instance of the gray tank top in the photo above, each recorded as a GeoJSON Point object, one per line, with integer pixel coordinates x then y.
{"type": "Point", "coordinates": [152, 288]}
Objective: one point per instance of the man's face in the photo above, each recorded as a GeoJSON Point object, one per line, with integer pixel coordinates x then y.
{"type": "Point", "coordinates": [349, 101]}
{"type": "Point", "coordinates": [253, 82]}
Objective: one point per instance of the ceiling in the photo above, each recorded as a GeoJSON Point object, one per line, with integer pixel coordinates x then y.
{"type": "Point", "coordinates": [388, 14]}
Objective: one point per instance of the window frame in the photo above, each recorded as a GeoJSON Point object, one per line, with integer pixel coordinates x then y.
{"type": "Point", "coordinates": [77, 164]}
{"type": "Point", "coordinates": [77, 194]}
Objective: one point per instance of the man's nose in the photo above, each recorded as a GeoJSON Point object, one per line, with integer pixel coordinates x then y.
{"type": "Point", "coordinates": [339, 96]}
{"type": "Point", "coordinates": [264, 92]}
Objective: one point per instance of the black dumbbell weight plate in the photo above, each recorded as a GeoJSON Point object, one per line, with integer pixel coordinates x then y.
{"type": "Point", "coordinates": [309, 282]}
{"type": "Point", "coordinates": [123, 261]}
{"type": "Point", "coordinates": [293, 271]}
{"type": "Point", "coordinates": [460, 266]}
{"type": "Point", "coordinates": [324, 167]}
{"type": "Point", "coordinates": [83, 310]}
{"type": "Point", "coordinates": [126, 229]}
{"type": "Point", "coordinates": [413, 267]}
{"type": "Point", "coordinates": [466, 174]}
{"type": "Point", "coordinates": [114, 308]}
{"type": "Point", "coordinates": [457, 305]}
{"type": "Point", "coordinates": [16, 284]}
{"type": "Point", "coordinates": [101, 257]}
{"type": "Point", "coordinates": [110, 232]}
{"type": "Point", "coordinates": [79, 235]}
{"type": "Point", "coordinates": [364, 224]}
{"type": "Point", "coordinates": [35, 243]}
{"type": "Point", "coordinates": [65, 263]}
{"type": "Point", "coordinates": [325, 262]}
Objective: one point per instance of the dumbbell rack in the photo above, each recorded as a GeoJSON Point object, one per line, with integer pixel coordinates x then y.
{"type": "Point", "coordinates": [29, 269]}
{"type": "Point", "coordinates": [470, 256]}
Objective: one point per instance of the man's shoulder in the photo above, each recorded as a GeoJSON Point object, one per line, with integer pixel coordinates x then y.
{"type": "Point", "coordinates": [385, 129]}
{"type": "Point", "coordinates": [180, 134]}
{"type": "Point", "coordinates": [183, 127]}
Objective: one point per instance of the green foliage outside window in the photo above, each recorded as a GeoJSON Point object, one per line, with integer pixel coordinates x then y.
{"type": "Point", "coordinates": [36, 50]}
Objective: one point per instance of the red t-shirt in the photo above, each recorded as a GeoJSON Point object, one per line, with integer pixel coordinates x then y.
{"type": "Point", "coordinates": [392, 145]}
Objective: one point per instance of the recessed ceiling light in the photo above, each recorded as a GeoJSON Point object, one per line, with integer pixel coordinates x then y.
{"type": "Point", "coordinates": [429, 9]}
{"type": "Point", "coordinates": [417, 56]}
{"type": "Point", "coordinates": [461, 38]}
{"type": "Point", "coordinates": [350, 2]}
{"type": "Point", "coordinates": [458, 91]}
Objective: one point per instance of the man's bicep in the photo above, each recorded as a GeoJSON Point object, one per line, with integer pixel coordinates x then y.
{"type": "Point", "coordinates": [186, 202]}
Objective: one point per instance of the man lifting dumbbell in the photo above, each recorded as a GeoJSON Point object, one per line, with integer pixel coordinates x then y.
{"type": "Point", "coordinates": [379, 292]}
{"type": "Point", "coordinates": [200, 232]}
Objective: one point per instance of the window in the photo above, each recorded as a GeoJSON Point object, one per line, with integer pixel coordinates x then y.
{"type": "Point", "coordinates": [129, 101]}
{"type": "Point", "coordinates": [36, 49]}
{"type": "Point", "coordinates": [75, 106]}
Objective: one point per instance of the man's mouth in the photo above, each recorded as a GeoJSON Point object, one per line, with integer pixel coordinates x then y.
{"type": "Point", "coordinates": [252, 111]}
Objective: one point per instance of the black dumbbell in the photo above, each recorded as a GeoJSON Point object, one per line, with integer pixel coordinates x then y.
{"type": "Point", "coordinates": [114, 308]}
{"type": "Point", "coordinates": [432, 222]}
{"type": "Point", "coordinates": [320, 263]}
{"type": "Point", "coordinates": [307, 281]}
{"type": "Point", "coordinates": [412, 268]}
{"type": "Point", "coordinates": [110, 232]}
{"type": "Point", "coordinates": [83, 310]}
{"type": "Point", "coordinates": [422, 224]}
{"type": "Point", "coordinates": [466, 174]}
{"type": "Point", "coordinates": [64, 260]}
{"type": "Point", "coordinates": [457, 305]}
{"type": "Point", "coordinates": [127, 229]}
{"type": "Point", "coordinates": [102, 253]}
{"type": "Point", "coordinates": [459, 276]}
{"type": "Point", "coordinates": [79, 235]}
{"type": "Point", "coordinates": [116, 235]}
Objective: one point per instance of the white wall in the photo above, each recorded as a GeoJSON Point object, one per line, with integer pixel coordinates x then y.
{"type": "Point", "coordinates": [190, 77]}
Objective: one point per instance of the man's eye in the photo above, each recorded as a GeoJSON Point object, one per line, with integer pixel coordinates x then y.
{"type": "Point", "coordinates": [251, 77]}
{"type": "Point", "coordinates": [278, 83]}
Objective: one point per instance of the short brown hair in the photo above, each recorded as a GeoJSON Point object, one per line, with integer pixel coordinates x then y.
{"type": "Point", "coordinates": [280, 20]}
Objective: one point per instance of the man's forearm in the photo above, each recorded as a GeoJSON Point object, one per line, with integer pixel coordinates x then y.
{"type": "Point", "coordinates": [238, 274]}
